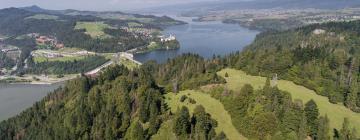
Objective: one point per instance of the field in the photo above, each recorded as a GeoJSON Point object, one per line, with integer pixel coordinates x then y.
{"type": "Point", "coordinates": [69, 54]}
{"type": "Point", "coordinates": [43, 16]}
{"type": "Point", "coordinates": [61, 59]}
{"type": "Point", "coordinates": [335, 112]}
{"type": "Point", "coordinates": [94, 29]}
{"type": "Point", "coordinates": [165, 132]}
{"type": "Point", "coordinates": [211, 105]}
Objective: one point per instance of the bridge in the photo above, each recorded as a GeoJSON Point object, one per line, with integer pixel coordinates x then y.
{"type": "Point", "coordinates": [115, 60]}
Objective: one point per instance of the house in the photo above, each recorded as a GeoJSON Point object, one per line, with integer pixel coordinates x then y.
{"type": "Point", "coordinates": [166, 39]}
{"type": "Point", "coordinates": [59, 46]}
{"type": "Point", "coordinates": [319, 31]}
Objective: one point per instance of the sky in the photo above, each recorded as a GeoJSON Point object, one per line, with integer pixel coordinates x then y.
{"type": "Point", "coordinates": [99, 5]}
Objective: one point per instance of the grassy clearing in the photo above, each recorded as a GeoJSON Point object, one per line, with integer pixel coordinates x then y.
{"type": "Point", "coordinates": [165, 132]}
{"type": "Point", "coordinates": [70, 50]}
{"type": "Point", "coordinates": [43, 16]}
{"type": "Point", "coordinates": [211, 105]}
{"type": "Point", "coordinates": [153, 46]}
{"type": "Point", "coordinates": [127, 63]}
{"type": "Point", "coordinates": [61, 59]}
{"type": "Point", "coordinates": [94, 29]}
{"type": "Point", "coordinates": [335, 112]}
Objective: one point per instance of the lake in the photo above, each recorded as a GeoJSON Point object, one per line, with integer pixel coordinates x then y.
{"type": "Point", "coordinates": [14, 98]}
{"type": "Point", "coordinates": [203, 38]}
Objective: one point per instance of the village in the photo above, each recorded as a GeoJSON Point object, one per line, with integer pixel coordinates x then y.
{"type": "Point", "coordinates": [50, 49]}
{"type": "Point", "coordinates": [55, 51]}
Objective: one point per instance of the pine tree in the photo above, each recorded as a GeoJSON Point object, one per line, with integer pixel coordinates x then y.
{"type": "Point", "coordinates": [345, 133]}
{"type": "Point", "coordinates": [302, 132]}
{"type": "Point", "coordinates": [323, 128]}
{"type": "Point", "coordinates": [221, 136]}
{"type": "Point", "coordinates": [136, 132]}
{"type": "Point", "coordinates": [226, 74]}
{"type": "Point", "coordinates": [312, 113]}
{"type": "Point", "coordinates": [182, 122]}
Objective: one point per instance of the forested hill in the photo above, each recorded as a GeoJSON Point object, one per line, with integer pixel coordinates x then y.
{"type": "Point", "coordinates": [16, 23]}
{"type": "Point", "coordinates": [322, 57]}
{"type": "Point", "coordinates": [119, 104]}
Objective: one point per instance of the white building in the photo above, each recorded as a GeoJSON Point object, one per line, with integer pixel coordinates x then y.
{"type": "Point", "coordinates": [166, 39]}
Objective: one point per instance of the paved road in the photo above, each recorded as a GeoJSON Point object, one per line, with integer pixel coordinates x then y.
{"type": "Point", "coordinates": [116, 57]}
{"type": "Point", "coordinates": [96, 70]}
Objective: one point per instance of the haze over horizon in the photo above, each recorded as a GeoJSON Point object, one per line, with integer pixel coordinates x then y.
{"type": "Point", "coordinates": [98, 5]}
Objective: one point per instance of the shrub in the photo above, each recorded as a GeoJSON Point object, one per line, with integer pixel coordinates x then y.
{"type": "Point", "coordinates": [183, 98]}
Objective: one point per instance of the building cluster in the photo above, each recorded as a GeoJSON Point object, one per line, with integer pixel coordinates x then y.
{"type": "Point", "coordinates": [47, 40]}
{"type": "Point", "coordinates": [319, 31]}
{"type": "Point", "coordinates": [140, 31]}
{"type": "Point", "coordinates": [167, 39]}
{"type": "Point", "coordinates": [330, 18]}
{"type": "Point", "coordinates": [10, 51]}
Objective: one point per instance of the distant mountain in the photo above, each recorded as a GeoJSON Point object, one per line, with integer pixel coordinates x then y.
{"type": "Point", "coordinates": [257, 4]}
{"type": "Point", "coordinates": [33, 8]}
{"type": "Point", "coordinates": [37, 9]}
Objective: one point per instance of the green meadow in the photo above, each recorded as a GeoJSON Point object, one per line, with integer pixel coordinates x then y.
{"type": "Point", "coordinates": [94, 29]}
{"type": "Point", "coordinates": [43, 16]}
{"type": "Point", "coordinates": [61, 59]}
{"type": "Point", "coordinates": [335, 112]}
{"type": "Point", "coordinates": [212, 106]}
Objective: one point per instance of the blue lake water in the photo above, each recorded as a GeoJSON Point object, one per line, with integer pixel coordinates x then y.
{"type": "Point", "coordinates": [203, 38]}
{"type": "Point", "coordinates": [17, 97]}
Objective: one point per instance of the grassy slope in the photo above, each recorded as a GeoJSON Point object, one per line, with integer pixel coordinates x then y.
{"type": "Point", "coordinates": [211, 105]}
{"type": "Point", "coordinates": [127, 63]}
{"type": "Point", "coordinates": [94, 29]}
{"type": "Point", "coordinates": [335, 112]}
{"type": "Point", "coordinates": [43, 16]}
{"type": "Point", "coordinates": [165, 132]}
{"type": "Point", "coordinates": [61, 59]}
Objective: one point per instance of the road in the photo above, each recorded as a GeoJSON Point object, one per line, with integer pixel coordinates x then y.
{"type": "Point", "coordinates": [96, 70]}
{"type": "Point", "coordinates": [117, 56]}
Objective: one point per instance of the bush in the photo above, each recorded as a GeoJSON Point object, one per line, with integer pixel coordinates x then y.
{"type": "Point", "coordinates": [192, 101]}
{"type": "Point", "coordinates": [183, 98]}
{"type": "Point", "coordinates": [60, 76]}
{"type": "Point", "coordinates": [226, 75]}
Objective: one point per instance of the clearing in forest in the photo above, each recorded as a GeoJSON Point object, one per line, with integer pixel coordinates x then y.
{"type": "Point", "coordinates": [212, 106]}
{"type": "Point", "coordinates": [336, 112]}
{"type": "Point", "coordinates": [94, 29]}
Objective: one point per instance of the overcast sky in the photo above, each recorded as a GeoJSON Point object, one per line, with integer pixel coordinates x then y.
{"type": "Point", "coordinates": [93, 4]}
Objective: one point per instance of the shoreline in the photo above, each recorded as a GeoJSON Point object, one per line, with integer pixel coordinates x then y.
{"type": "Point", "coordinates": [28, 80]}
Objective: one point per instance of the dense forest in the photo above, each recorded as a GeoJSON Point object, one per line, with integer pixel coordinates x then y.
{"type": "Point", "coordinates": [6, 62]}
{"type": "Point", "coordinates": [322, 57]}
{"type": "Point", "coordinates": [269, 113]}
{"type": "Point", "coordinates": [118, 104]}
{"type": "Point", "coordinates": [66, 67]}
{"type": "Point", "coordinates": [186, 72]}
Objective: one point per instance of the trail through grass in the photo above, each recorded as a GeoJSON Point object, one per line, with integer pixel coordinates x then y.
{"type": "Point", "coordinates": [335, 112]}
{"type": "Point", "coordinates": [212, 106]}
